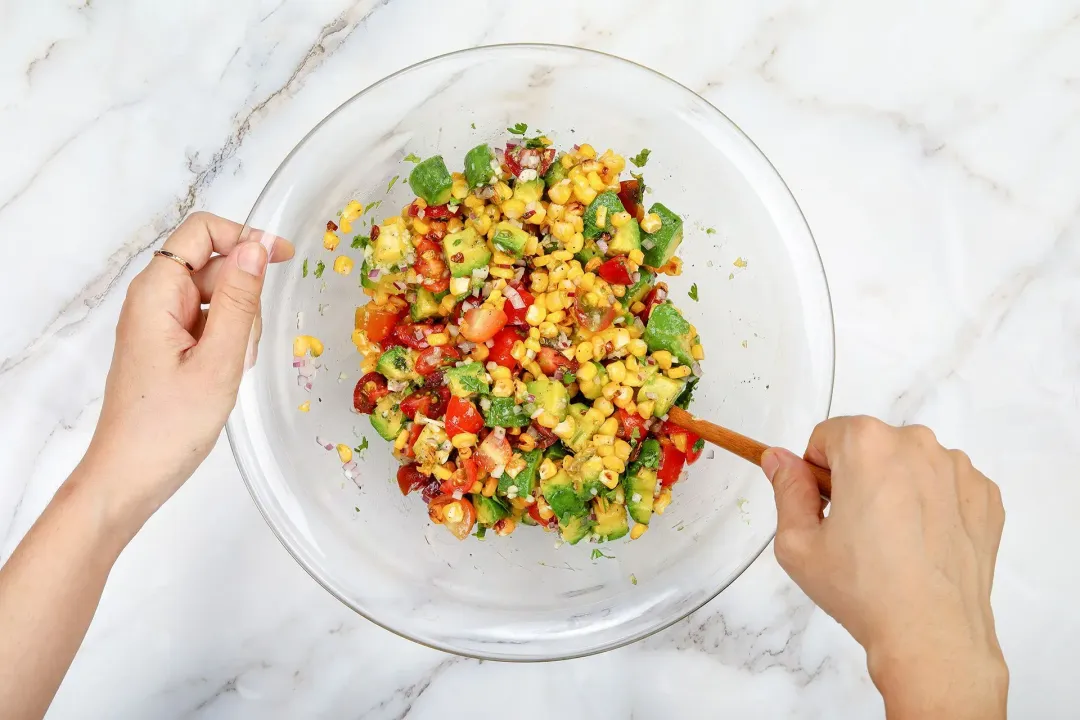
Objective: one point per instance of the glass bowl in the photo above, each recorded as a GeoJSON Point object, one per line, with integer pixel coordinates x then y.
{"type": "Point", "coordinates": [766, 325]}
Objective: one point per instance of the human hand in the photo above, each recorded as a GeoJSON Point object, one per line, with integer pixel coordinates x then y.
{"type": "Point", "coordinates": [904, 561]}
{"type": "Point", "coordinates": [176, 367]}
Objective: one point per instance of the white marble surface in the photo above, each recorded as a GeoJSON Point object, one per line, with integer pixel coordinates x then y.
{"type": "Point", "coordinates": [934, 146]}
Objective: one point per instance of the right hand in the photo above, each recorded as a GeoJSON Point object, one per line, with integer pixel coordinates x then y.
{"type": "Point", "coordinates": [904, 561]}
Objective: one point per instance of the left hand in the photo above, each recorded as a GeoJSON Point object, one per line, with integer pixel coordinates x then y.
{"type": "Point", "coordinates": [176, 368]}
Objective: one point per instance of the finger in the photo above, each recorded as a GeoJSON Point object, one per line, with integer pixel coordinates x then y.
{"type": "Point", "coordinates": [798, 505]}
{"type": "Point", "coordinates": [233, 309]}
{"type": "Point", "coordinates": [199, 236]}
{"type": "Point", "coordinates": [829, 437]}
{"type": "Point", "coordinates": [206, 279]}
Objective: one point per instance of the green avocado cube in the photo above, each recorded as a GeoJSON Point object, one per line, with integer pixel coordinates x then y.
{"type": "Point", "coordinates": [426, 305]}
{"type": "Point", "coordinates": [387, 418]}
{"type": "Point", "coordinates": [626, 239]}
{"type": "Point", "coordinates": [574, 528]}
{"type": "Point", "coordinates": [529, 191]}
{"type": "Point", "coordinates": [466, 251]}
{"type": "Point", "coordinates": [611, 204]}
{"type": "Point", "coordinates": [524, 481]}
{"type": "Point", "coordinates": [489, 510]}
{"type": "Point", "coordinates": [503, 412]}
{"type": "Point", "coordinates": [668, 330]}
{"type": "Point", "coordinates": [638, 488]}
{"type": "Point", "coordinates": [396, 363]}
{"type": "Point", "coordinates": [478, 170]}
{"type": "Point", "coordinates": [611, 521]}
{"type": "Point", "coordinates": [465, 380]}
{"type": "Point", "coordinates": [562, 496]}
{"type": "Point", "coordinates": [662, 390]}
{"type": "Point", "coordinates": [556, 173]}
{"type": "Point", "coordinates": [550, 395]}
{"type": "Point", "coordinates": [510, 239]}
{"type": "Point", "coordinates": [638, 291]}
{"type": "Point", "coordinates": [660, 246]}
{"type": "Point", "coordinates": [431, 181]}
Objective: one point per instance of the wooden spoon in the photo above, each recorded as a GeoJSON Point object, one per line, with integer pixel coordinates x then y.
{"type": "Point", "coordinates": [744, 447]}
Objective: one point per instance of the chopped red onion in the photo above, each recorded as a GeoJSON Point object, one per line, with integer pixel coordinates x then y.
{"type": "Point", "coordinates": [636, 277]}
{"type": "Point", "coordinates": [498, 471]}
{"type": "Point", "coordinates": [325, 444]}
{"type": "Point", "coordinates": [457, 495]}
{"type": "Point", "coordinates": [515, 299]}
{"type": "Point", "coordinates": [696, 367]}
{"type": "Point", "coordinates": [490, 343]}
{"type": "Point", "coordinates": [499, 433]}
{"type": "Point", "coordinates": [299, 362]}
{"type": "Point", "coordinates": [602, 244]}
{"type": "Point", "coordinates": [374, 274]}
{"type": "Point", "coordinates": [418, 334]}
{"type": "Point", "coordinates": [399, 285]}
{"type": "Point", "coordinates": [453, 330]}
{"type": "Point", "coordinates": [647, 244]}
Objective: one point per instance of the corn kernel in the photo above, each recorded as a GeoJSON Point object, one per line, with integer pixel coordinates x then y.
{"type": "Point", "coordinates": [601, 216]}
{"type": "Point", "coordinates": [637, 349]}
{"type": "Point", "coordinates": [483, 225]}
{"type": "Point", "coordinates": [330, 240]}
{"type": "Point", "coordinates": [631, 364]}
{"type": "Point", "coordinates": [587, 372]}
{"type": "Point", "coordinates": [305, 406]}
{"type": "Point", "coordinates": [304, 344]}
{"type": "Point", "coordinates": [439, 338]}
{"type": "Point", "coordinates": [609, 478]}
{"type": "Point", "coordinates": [401, 439]}
{"type": "Point", "coordinates": [513, 208]}
{"type": "Point", "coordinates": [679, 372]}
{"type": "Point", "coordinates": [584, 194]}
{"type": "Point", "coordinates": [609, 427]}
{"type": "Point", "coordinates": [662, 358]}
{"type": "Point", "coordinates": [611, 462]}
{"type": "Point", "coordinates": [616, 372]}
{"type": "Point", "coordinates": [645, 408]}
{"type": "Point", "coordinates": [535, 315]}
{"type": "Point", "coordinates": [662, 501]}
{"type": "Point", "coordinates": [622, 450]}
{"type": "Point", "coordinates": [610, 391]}
{"type": "Point", "coordinates": [547, 469]}
{"type": "Point", "coordinates": [622, 397]}
{"type": "Point", "coordinates": [480, 353]}
{"type": "Point", "coordinates": [502, 272]}
{"type": "Point", "coordinates": [563, 256]}
{"type": "Point", "coordinates": [637, 307]}
{"type": "Point", "coordinates": [603, 406]}
{"type": "Point", "coordinates": [560, 192]}
{"type": "Point", "coordinates": [605, 451]}
{"type": "Point", "coordinates": [503, 387]}
{"type": "Point", "coordinates": [555, 276]}
{"type": "Point", "coordinates": [587, 151]}
{"type": "Point", "coordinates": [547, 420]}
{"type": "Point", "coordinates": [343, 265]}
{"type": "Point", "coordinates": [594, 416]}
{"type": "Point", "coordinates": [538, 215]}
{"type": "Point", "coordinates": [598, 440]}
{"type": "Point", "coordinates": [638, 531]}
{"type": "Point", "coordinates": [463, 440]}
{"type": "Point", "coordinates": [459, 189]}
{"type": "Point", "coordinates": [596, 184]}
{"type": "Point", "coordinates": [619, 219]}
{"type": "Point", "coordinates": [344, 452]}
{"type": "Point", "coordinates": [650, 223]}
{"type": "Point", "coordinates": [532, 245]}
{"type": "Point", "coordinates": [505, 526]}
{"type": "Point", "coordinates": [556, 317]}
{"type": "Point", "coordinates": [501, 258]}
{"type": "Point", "coordinates": [472, 202]}
{"type": "Point", "coordinates": [697, 352]}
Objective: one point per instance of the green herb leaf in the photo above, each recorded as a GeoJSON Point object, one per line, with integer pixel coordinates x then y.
{"type": "Point", "coordinates": [650, 454]}
{"type": "Point", "coordinates": [699, 445]}
{"type": "Point", "coordinates": [303, 268]}
{"type": "Point", "coordinates": [518, 129]}
{"type": "Point", "coordinates": [641, 158]}
{"type": "Point", "coordinates": [412, 157]}
{"type": "Point", "coordinates": [568, 378]}
{"type": "Point", "coordinates": [356, 509]}
{"type": "Point", "coordinates": [362, 446]}
{"type": "Point", "coordinates": [392, 181]}
{"type": "Point", "coordinates": [710, 231]}
{"type": "Point", "coordinates": [472, 125]}
{"type": "Point", "coordinates": [693, 292]}
{"type": "Point", "coordinates": [633, 579]}
{"type": "Point", "coordinates": [640, 186]}
{"type": "Point", "coordinates": [320, 267]}
{"type": "Point", "coordinates": [360, 241]}
{"type": "Point", "coordinates": [535, 142]}
{"type": "Point", "coordinates": [687, 395]}
{"type": "Point", "coordinates": [371, 207]}
{"type": "Point", "coordinates": [598, 553]}
{"type": "Point", "coordinates": [480, 532]}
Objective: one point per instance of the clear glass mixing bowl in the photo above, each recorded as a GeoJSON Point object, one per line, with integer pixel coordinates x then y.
{"type": "Point", "coordinates": [767, 329]}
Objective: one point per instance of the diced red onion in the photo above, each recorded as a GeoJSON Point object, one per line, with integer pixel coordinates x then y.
{"type": "Point", "coordinates": [299, 362]}
{"type": "Point", "coordinates": [322, 441]}
{"type": "Point", "coordinates": [602, 244]}
{"type": "Point", "coordinates": [480, 273]}
{"type": "Point", "coordinates": [308, 386]}
{"type": "Point", "coordinates": [466, 346]}
{"type": "Point", "coordinates": [458, 495]}
{"type": "Point", "coordinates": [696, 367]}
{"type": "Point", "coordinates": [349, 466]}
{"type": "Point", "coordinates": [498, 471]}
{"type": "Point", "coordinates": [399, 285]}
{"type": "Point", "coordinates": [374, 274]}
{"type": "Point", "coordinates": [499, 433]}
{"type": "Point", "coordinates": [536, 414]}
{"type": "Point", "coordinates": [485, 404]}
{"type": "Point", "coordinates": [421, 213]}
{"type": "Point", "coordinates": [418, 334]}
{"type": "Point", "coordinates": [515, 299]}
{"type": "Point", "coordinates": [466, 306]}
{"type": "Point", "coordinates": [306, 371]}
{"type": "Point", "coordinates": [490, 343]}
{"type": "Point", "coordinates": [647, 244]}
{"type": "Point", "coordinates": [453, 330]}
{"type": "Point", "coordinates": [636, 277]}
{"type": "Point", "coordinates": [518, 274]}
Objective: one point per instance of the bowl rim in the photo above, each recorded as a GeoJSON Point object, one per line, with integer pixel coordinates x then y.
{"type": "Point", "coordinates": [641, 635]}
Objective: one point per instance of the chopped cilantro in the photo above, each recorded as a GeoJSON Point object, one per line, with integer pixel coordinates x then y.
{"type": "Point", "coordinates": [641, 158]}
{"type": "Point", "coordinates": [635, 435]}
{"type": "Point", "coordinates": [568, 377]}
{"type": "Point", "coordinates": [472, 125]}
{"type": "Point", "coordinates": [412, 157]}
{"type": "Point", "coordinates": [699, 445]}
{"type": "Point", "coordinates": [356, 509]}
{"type": "Point", "coordinates": [320, 267]}
{"type": "Point", "coordinates": [362, 446]}
{"type": "Point", "coordinates": [303, 268]}
{"type": "Point", "coordinates": [480, 532]}
{"type": "Point", "coordinates": [687, 395]}
{"type": "Point", "coordinates": [371, 207]}
{"type": "Point", "coordinates": [535, 142]}
{"type": "Point", "coordinates": [360, 241]}
{"type": "Point", "coordinates": [641, 185]}
{"type": "Point", "coordinates": [710, 231]}
{"type": "Point", "coordinates": [693, 292]}
{"type": "Point", "coordinates": [392, 181]}
{"type": "Point", "coordinates": [633, 579]}
{"type": "Point", "coordinates": [518, 129]}
{"type": "Point", "coordinates": [598, 553]}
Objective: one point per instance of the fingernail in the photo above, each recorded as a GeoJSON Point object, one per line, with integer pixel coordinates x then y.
{"type": "Point", "coordinates": [252, 352]}
{"type": "Point", "coordinates": [770, 463]}
{"type": "Point", "coordinates": [267, 241]}
{"type": "Point", "coordinates": [251, 258]}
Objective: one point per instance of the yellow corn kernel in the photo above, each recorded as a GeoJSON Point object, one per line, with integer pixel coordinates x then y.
{"type": "Point", "coordinates": [369, 363]}
{"type": "Point", "coordinates": [505, 526]}
{"type": "Point", "coordinates": [526, 442]}
{"type": "Point", "coordinates": [538, 215]}
{"type": "Point", "coordinates": [631, 364]}
{"type": "Point", "coordinates": [305, 406]}
{"type": "Point", "coordinates": [483, 225]}
{"type": "Point", "coordinates": [603, 406]}
{"type": "Point", "coordinates": [420, 227]}
{"type": "Point", "coordinates": [637, 348]}
{"type": "Point", "coordinates": [622, 397]}
{"type": "Point", "coordinates": [439, 338]}
{"type": "Point", "coordinates": [501, 258]}
{"type": "Point", "coordinates": [611, 391]}
{"type": "Point", "coordinates": [679, 372]}
{"type": "Point", "coordinates": [645, 408]}
{"type": "Point", "coordinates": [616, 372]}
{"type": "Point", "coordinates": [611, 462]}
{"type": "Point", "coordinates": [503, 387]}
{"type": "Point", "coordinates": [637, 307]}
{"type": "Point", "coordinates": [587, 371]}
{"type": "Point", "coordinates": [518, 351]}
{"type": "Point", "coordinates": [587, 151]}
{"type": "Point", "coordinates": [330, 240]}
{"type": "Point", "coordinates": [513, 208]}
{"type": "Point", "coordinates": [650, 223]}
{"type": "Point", "coordinates": [622, 450]}
{"type": "Point", "coordinates": [601, 216]}
{"type": "Point", "coordinates": [556, 317]}
{"type": "Point", "coordinates": [547, 469]}
{"type": "Point", "coordinates": [547, 420]}
{"type": "Point", "coordinates": [595, 416]}
{"type": "Point", "coordinates": [598, 440]}
{"type": "Point", "coordinates": [343, 265]}
{"type": "Point", "coordinates": [662, 358]}
{"type": "Point", "coordinates": [503, 191]}
{"type": "Point", "coordinates": [596, 184]}
{"type": "Point", "coordinates": [563, 231]}
{"type": "Point", "coordinates": [636, 256]}
{"type": "Point", "coordinates": [535, 315]}
{"type": "Point", "coordinates": [344, 452]}
{"type": "Point", "coordinates": [583, 354]}
{"type": "Point", "coordinates": [635, 379]}
{"type": "Point", "coordinates": [559, 193]}
{"type": "Point", "coordinates": [697, 352]}
{"type": "Point", "coordinates": [480, 353]}
{"type": "Point", "coordinates": [578, 222]}
{"type": "Point", "coordinates": [584, 194]}
{"type": "Point", "coordinates": [638, 531]}
{"type": "Point", "coordinates": [556, 275]}
{"type": "Point", "coordinates": [401, 440]}
{"type": "Point", "coordinates": [472, 202]}
{"type": "Point", "coordinates": [532, 245]}
{"type": "Point", "coordinates": [662, 501]}
{"type": "Point", "coordinates": [304, 344]}
{"type": "Point", "coordinates": [618, 219]}
{"type": "Point", "coordinates": [605, 451]}
{"type": "Point", "coordinates": [553, 301]}
{"type": "Point", "coordinates": [500, 373]}
{"type": "Point", "coordinates": [502, 272]}
{"type": "Point", "coordinates": [459, 189]}
{"type": "Point", "coordinates": [548, 330]}
{"type": "Point", "coordinates": [538, 282]}
{"type": "Point", "coordinates": [610, 478]}
{"type": "Point", "coordinates": [531, 367]}
{"type": "Point", "coordinates": [576, 243]}
{"type": "Point", "coordinates": [463, 440]}
{"type": "Point", "coordinates": [543, 509]}
{"type": "Point", "coordinates": [441, 472]}
{"type": "Point", "coordinates": [563, 256]}
{"type": "Point", "coordinates": [489, 487]}
{"type": "Point", "coordinates": [609, 427]}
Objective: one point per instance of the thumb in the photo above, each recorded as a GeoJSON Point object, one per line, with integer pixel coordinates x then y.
{"type": "Point", "coordinates": [234, 306]}
{"type": "Point", "coordinates": [798, 505]}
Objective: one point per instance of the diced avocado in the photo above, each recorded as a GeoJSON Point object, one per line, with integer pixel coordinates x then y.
{"type": "Point", "coordinates": [465, 380]}
{"type": "Point", "coordinates": [587, 468]}
{"type": "Point", "coordinates": [529, 191]}
{"type": "Point", "coordinates": [649, 456]}
{"type": "Point", "coordinates": [431, 180]}
{"type": "Point", "coordinates": [466, 251]}
{"type": "Point", "coordinates": [396, 363]}
{"type": "Point", "coordinates": [432, 446]}
{"type": "Point", "coordinates": [556, 173]}
{"type": "Point", "coordinates": [525, 480]}
{"type": "Point", "coordinates": [489, 510]}
{"type": "Point", "coordinates": [626, 239]}
{"type": "Point", "coordinates": [575, 528]}
{"type": "Point", "coordinates": [503, 412]}
{"type": "Point", "coordinates": [584, 427]}
{"type": "Point", "coordinates": [611, 204]}
{"type": "Point", "coordinates": [387, 419]}
{"type": "Point", "coordinates": [510, 239]}
{"type": "Point", "coordinates": [426, 305]}
{"type": "Point", "coordinates": [592, 389]}
{"type": "Point", "coordinates": [550, 395]}
{"type": "Point", "coordinates": [555, 453]}
{"type": "Point", "coordinates": [662, 390]}
{"type": "Point", "coordinates": [611, 521]}
{"type": "Point", "coordinates": [639, 488]}
{"type": "Point", "coordinates": [638, 291]}
{"type": "Point", "coordinates": [478, 170]}
{"type": "Point", "coordinates": [562, 496]}
{"type": "Point", "coordinates": [390, 248]}
{"type": "Point", "coordinates": [384, 281]}
{"type": "Point", "coordinates": [662, 244]}
{"type": "Point", "coordinates": [668, 330]}
{"type": "Point", "coordinates": [588, 251]}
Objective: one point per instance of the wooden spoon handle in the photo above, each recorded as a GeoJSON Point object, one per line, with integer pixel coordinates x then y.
{"type": "Point", "coordinates": [744, 447]}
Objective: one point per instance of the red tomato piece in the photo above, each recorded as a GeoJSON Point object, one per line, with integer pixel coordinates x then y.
{"type": "Point", "coordinates": [630, 194]}
{"type": "Point", "coordinates": [410, 478]}
{"type": "Point", "coordinates": [511, 158]}
{"type": "Point", "coordinates": [616, 270]}
{"type": "Point", "coordinates": [550, 360]}
{"type": "Point", "coordinates": [547, 157]}
{"type": "Point", "coordinates": [499, 352]}
{"type": "Point", "coordinates": [379, 321]}
{"type": "Point", "coordinates": [480, 324]}
{"type": "Point", "coordinates": [435, 358]}
{"type": "Point", "coordinates": [439, 511]}
{"type": "Point", "coordinates": [656, 296]}
{"type": "Point", "coordinates": [631, 426]}
{"type": "Point", "coordinates": [671, 463]}
{"type": "Point", "coordinates": [367, 392]}
{"type": "Point", "coordinates": [431, 267]}
{"type": "Point", "coordinates": [428, 401]}
{"type": "Point", "coordinates": [534, 513]}
{"type": "Point", "coordinates": [462, 416]}
{"type": "Point", "coordinates": [472, 469]}
{"type": "Point", "coordinates": [594, 318]}
{"type": "Point", "coordinates": [494, 451]}
{"type": "Point", "coordinates": [544, 437]}
{"type": "Point", "coordinates": [684, 440]}
{"type": "Point", "coordinates": [440, 212]}
{"type": "Point", "coordinates": [516, 316]}
{"type": "Point", "coordinates": [414, 335]}
{"type": "Point", "coordinates": [414, 433]}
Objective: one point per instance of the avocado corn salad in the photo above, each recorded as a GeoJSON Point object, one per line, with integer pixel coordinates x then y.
{"type": "Point", "coordinates": [520, 352]}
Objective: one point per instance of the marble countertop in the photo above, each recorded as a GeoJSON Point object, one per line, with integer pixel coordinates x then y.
{"type": "Point", "coordinates": [934, 147]}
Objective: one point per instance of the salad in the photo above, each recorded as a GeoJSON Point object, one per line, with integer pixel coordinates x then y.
{"type": "Point", "coordinates": [520, 352]}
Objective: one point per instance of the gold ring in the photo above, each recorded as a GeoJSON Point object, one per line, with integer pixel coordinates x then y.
{"type": "Point", "coordinates": [175, 258]}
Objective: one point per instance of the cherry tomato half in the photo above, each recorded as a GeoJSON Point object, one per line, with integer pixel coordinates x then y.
{"type": "Point", "coordinates": [406, 334]}
{"type": "Point", "coordinates": [544, 437]}
{"type": "Point", "coordinates": [516, 316]}
{"type": "Point", "coordinates": [410, 478]}
{"type": "Point", "coordinates": [429, 402]}
{"type": "Point", "coordinates": [631, 426]}
{"type": "Point", "coordinates": [630, 194]}
{"type": "Point", "coordinates": [436, 358]}
{"type": "Point", "coordinates": [480, 324]}
{"type": "Point", "coordinates": [616, 270]}
{"type": "Point", "coordinates": [550, 360]}
{"type": "Point", "coordinates": [534, 513]}
{"type": "Point", "coordinates": [414, 435]}
{"type": "Point", "coordinates": [493, 452]}
{"type": "Point", "coordinates": [462, 416]}
{"type": "Point", "coordinates": [593, 317]}
{"type": "Point", "coordinates": [671, 463]}
{"type": "Point", "coordinates": [503, 343]}
{"type": "Point", "coordinates": [379, 321]}
{"type": "Point", "coordinates": [440, 509]}
{"type": "Point", "coordinates": [431, 266]}
{"type": "Point", "coordinates": [367, 392]}
{"type": "Point", "coordinates": [684, 440]}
